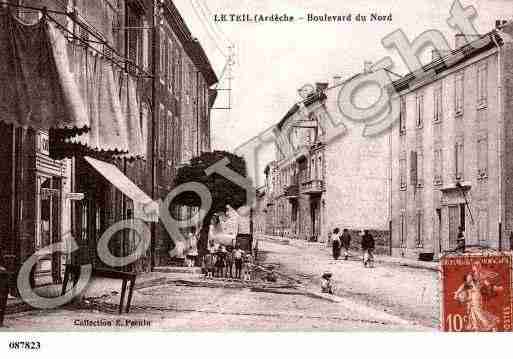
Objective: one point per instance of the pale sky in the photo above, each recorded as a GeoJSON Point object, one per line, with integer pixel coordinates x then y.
{"type": "Point", "coordinates": [273, 60]}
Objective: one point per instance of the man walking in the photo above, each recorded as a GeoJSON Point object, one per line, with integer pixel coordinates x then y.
{"type": "Point", "coordinates": [346, 242]}
{"type": "Point", "coordinates": [335, 243]}
{"type": "Point", "coordinates": [367, 248]}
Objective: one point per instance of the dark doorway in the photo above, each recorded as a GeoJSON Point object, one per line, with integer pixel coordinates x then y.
{"type": "Point", "coordinates": [462, 216]}
{"type": "Point", "coordinates": [439, 234]}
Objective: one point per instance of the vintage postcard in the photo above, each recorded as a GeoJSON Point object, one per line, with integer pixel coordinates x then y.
{"type": "Point", "coordinates": [263, 166]}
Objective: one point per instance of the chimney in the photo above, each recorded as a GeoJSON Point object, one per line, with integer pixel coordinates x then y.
{"type": "Point", "coordinates": [321, 86]}
{"type": "Point", "coordinates": [367, 67]}
{"type": "Point", "coordinates": [499, 23]}
{"type": "Point", "coordinates": [461, 39]}
{"type": "Point", "coordinates": [337, 79]}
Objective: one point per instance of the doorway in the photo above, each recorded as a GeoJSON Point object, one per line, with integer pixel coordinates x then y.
{"type": "Point", "coordinates": [439, 228]}
{"type": "Point", "coordinates": [48, 269]}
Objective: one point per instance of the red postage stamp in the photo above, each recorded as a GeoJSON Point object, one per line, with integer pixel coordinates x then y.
{"type": "Point", "coordinates": [476, 293]}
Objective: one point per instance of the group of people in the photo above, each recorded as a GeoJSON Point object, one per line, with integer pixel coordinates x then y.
{"type": "Point", "coordinates": [227, 262]}
{"type": "Point", "coordinates": [342, 240]}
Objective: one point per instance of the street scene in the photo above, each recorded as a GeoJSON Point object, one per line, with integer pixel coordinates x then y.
{"type": "Point", "coordinates": [188, 301]}
{"type": "Point", "coordinates": [186, 166]}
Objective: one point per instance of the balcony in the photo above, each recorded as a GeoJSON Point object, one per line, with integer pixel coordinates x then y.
{"type": "Point", "coordinates": [312, 187]}
{"type": "Point", "coordinates": [292, 191]}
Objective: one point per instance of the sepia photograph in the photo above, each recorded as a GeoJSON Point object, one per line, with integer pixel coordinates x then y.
{"type": "Point", "coordinates": [258, 166]}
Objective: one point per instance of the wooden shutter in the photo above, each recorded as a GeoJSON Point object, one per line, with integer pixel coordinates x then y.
{"type": "Point", "coordinates": [413, 168]}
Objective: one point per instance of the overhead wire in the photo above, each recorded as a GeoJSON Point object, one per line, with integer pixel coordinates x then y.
{"type": "Point", "coordinates": [208, 30]}
{"type": "Point", "coordinates": [215, 28]}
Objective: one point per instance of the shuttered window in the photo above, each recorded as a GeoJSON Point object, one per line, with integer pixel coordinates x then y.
{"type": "Point", "coordinates": [459, 93]}
{"type": "Point", "coordinates": [413, 168]}
{"type": "Point", "coordinates": [402, 116]}
{"type": "Point", "coordinates": [437, 101]}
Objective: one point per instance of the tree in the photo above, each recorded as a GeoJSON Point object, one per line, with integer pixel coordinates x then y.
{"type": "Point", "coordinates": [223, 191]}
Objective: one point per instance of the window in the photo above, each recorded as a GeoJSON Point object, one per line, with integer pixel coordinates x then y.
{"type": "Point", "coordinates": [162, 132]}
{"type": "Point", "coordinates": [162, 64]}
{"type": "Point", "coordinates": [134, 38]}
{"type": "Point", "coordinates": [145, 45]}
{"type": "Point", "coordinates": [402, 116]}
{"type": "Point", "coordinates": [482, 157]}
{"type": "Point", "coordinates": [458, 160]}
{"type": "Point", "coordinates": [191, 81]}
{"type": "Point", "coordinates": [420, 169]}
{"type": "Point", "coordinates": [419, 229]}
{"type": "Point", "coordinates": [459, 93]}
{"type": "Point", "coordinates": [413, 168]}
{"type": "Point", "coordinates": [169, 70]}
{"type": "Point", "coordinates": [178, 76]}
{"type": "Point", "coordinates": [403, 233]}
{"type": "Point", "coordinates": [482, 77]}
{"type": "Point", "coordinates": [402, 172]}
{"type": "Point", "coordinates": [186, 81]}
{"type": "Point", "coordinates": [482, 226]}
{"type": "Point", "coordinates": [420, 110]}
{"type": "Point", "coordinates": [438, 166]}
{"type": "Point", "coordinates": [438, 103]}
{"type": "Point", "coordinates": [176, 138]}
{"type": "Point", "coordinates": [170, 139]}
{"type": "Point", "coordinates": [145, 113]}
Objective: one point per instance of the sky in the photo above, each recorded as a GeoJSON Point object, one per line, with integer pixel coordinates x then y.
{"type": "Point", "coordinates": [273, 60]}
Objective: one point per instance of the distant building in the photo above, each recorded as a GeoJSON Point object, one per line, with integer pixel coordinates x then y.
{"type": "Point", "coordinates": [453, 145]}
{"type": "Point", "coordinates": [332, 177]}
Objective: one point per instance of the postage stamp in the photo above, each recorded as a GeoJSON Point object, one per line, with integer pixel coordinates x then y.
{"type": "Point", "coordinates": [476, 291]}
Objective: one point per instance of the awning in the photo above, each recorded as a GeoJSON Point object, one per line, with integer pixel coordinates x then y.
{"type": "Point", "coordinates": [105, 95]}
{"type": "Point", "coordinates": [33, 93]}
{"type": "Point", "coordinates": [51, 83]}
{"type": "Point", "coordinates": [144, 207]}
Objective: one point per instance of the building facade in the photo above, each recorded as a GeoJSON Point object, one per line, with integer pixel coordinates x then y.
{"type": "Point", "coordinates": [128, 104]}
{"type": "Point", "coordinates": [450, 152]}
{"type": "Point", "coordinates": [183, 86]}
{"type": "Point", "coordinates": [332, 176]}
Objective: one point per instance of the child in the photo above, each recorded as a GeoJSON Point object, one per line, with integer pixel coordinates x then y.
{"type": "Point", "coordinates": [326, 284]}
{"type": "Point", "coordinates": [192, 251]}
{"type": "Point", "coordinates": [229, 262]}
{"type": "Point", "coordinates": [221, 261]}
{"type": "Point", "coordinates": [247, 267]}
{"type": "Point", "coordinates": [208, 263]}
{"type": "Point", "coordinates": [237, 258]}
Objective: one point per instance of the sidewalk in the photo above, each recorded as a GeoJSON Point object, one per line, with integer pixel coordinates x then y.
{"type": "Point", "coordinates": [97, 288]}
{"type": "Point", "coordinates": [406, 262]}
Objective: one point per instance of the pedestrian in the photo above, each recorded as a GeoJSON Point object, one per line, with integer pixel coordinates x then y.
{"type": "Point", "coordinates": [327, 284]}
{"type": "Point", "coordinates": [460, 240]}
{"type": "Point", "coordinates": [368, 248]}
{"type": "Point", "coordinates": [237, 258]}
{"type": "Point", "coordinates": [208, 264]}
{"type": "Point", "coordinates": [335, 243]}
{"type": "Point", "coordinates": [229, 262]}
{"type": "Point", "coordinates": [220, 261]}
{"type": "Point", "coordinates": [192, 250]}
{"type": "Point", "coordinates": [247, 267]}
{"type": "Point", "coordinates": [345, 240]}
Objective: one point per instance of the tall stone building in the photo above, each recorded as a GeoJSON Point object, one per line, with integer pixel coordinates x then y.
{"type": "Point", "coordinates": [184, 78]}
{"type": "Point", "coordinates": [331, 176]}
{"type": "Point", "coordinates": [451, 151]}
